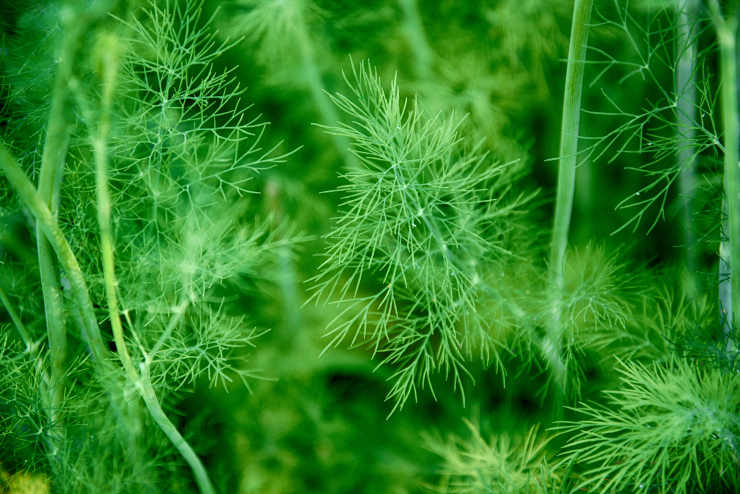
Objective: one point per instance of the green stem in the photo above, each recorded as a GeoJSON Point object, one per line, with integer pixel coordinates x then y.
{"type": "Point", "coordinates": [315, 85]}
{"type": "Point", "coordinates": [726, 34]}
{"type": "Point", "coordinates": [50, 229]}
{"type": "Point", "coordinates": [76, 24]}
{"type": "Point", "coordinates": [50, 179]}
{"type": "Point", "coordinates": [99, 144]}
{"type": "Point", "coordinates": [22, 331]}
{"type": "Point", "coordinates": [288, 282]}
{"type": "Point", "coordinates": [566, 179]}
{"type": "Point", "coordinates": [724, 289]}
{"type": "Point", "coordinates": [423, 54]}
{"type": "Point", "coordinates": [143, 382]}
{"type": "Point", "coordinates": [155, 409]}
{"type": "Point", "coordinates": [686, 121]}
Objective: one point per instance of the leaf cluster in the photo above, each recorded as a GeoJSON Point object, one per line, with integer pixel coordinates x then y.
{"type": "Point", "coordinates": [670, 427]}
{"type": "Point", "coordinates": [423, 220]}
{"type": "Point", "coordinates": [473, 465]}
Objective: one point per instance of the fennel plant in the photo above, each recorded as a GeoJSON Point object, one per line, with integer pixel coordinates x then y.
{"type": "Point", "coordinates": [481, 247]}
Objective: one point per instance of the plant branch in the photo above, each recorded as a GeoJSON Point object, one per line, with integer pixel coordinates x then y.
{"type": "Point", "coordinates": [686, 121]}
{"type": "Point", "coordinates": [568, 156]}
{"type": "Point", "coordinates": [22, 331]}
{"type": "Point", "coordinates": [50, 228]}
{"type": "Point", "coordinates": [50, 179]}
{"type": "Point", "coordinates": [725, 26]}
{"type": "Point", "coordinates": [423, 55]}
{"type": "Point", "coordinates": [110, 64]}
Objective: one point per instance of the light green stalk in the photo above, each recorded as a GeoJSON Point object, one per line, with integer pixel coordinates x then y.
{"type": "Point", "coordinates": [142, 382]}
{"type": "Point", "coordinates": [726, 35]}
{"type": "Point", "coordinates": [315, 85]}
{"type": "Point", "coordinates": [686, 120]}
{"type": "Point", "coordinates": [423, 54]}
{"type": "Point", "coordinates": [566, 181]}
{"type": "Point", "coordinates": [50, 229]}
{"type": "Point", "coordinates": [50, 178]}
{"type": "Point", "coordinates": [724, 289]}
{"type": "Point", "coordinates": [49, 186]}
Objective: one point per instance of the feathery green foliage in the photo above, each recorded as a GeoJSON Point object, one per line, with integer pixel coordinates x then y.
{"type": "Point", "coordinates": [498, 465]}
{"type": "Point", "coordinates": [181, 142]}
{"type": "Point", "coordinates": [671, 428]}
{"type": "Point", "coordinates": [646, 139]}
{"type": "Point", "coordinates": [410, 269]}
{"type": "Point", "coordinates": [423, 222]}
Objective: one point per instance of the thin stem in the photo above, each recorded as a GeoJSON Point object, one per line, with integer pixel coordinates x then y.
{"type": "Point", "coordinates": [177, 314]}
{"type": "Point", "coordinates": [423, 54]}
{"type": "Point", "coordinates": [726, 35]}
{"type": "Point", "coordinates": [22, 331]}
{"type": "Point", "coordinates": [99, 143]}
{"type": "Point", "coordinates": [50, 228]}
{"type": "Point", "coordinates": [143, 382]}
{"type": "Point", "coordinates": [288, 283]}
{"type": "Point", "coordinates": [50, 179]}
{"type": "Point", "coordinates": [566, 178]}
{"type": "Point", "coordinates": [155, 409]}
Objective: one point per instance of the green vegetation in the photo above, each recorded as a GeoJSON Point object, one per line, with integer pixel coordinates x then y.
{"type": "Point", "coordinates": [278, 246]}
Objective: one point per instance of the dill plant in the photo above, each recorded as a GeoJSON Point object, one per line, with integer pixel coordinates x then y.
{"type": "Point", "coordinates": [671, 428]}
{"type": "Point", "coordinates": [500, 464]}
{"type": "Point", "coordinates": [424, 222]}
{"type": "Point", "coordinates": [137, 265]}
{"type": "Point", "coordinates": [171, 147]}
{"type": "Point", "coordinates": [668, 425]}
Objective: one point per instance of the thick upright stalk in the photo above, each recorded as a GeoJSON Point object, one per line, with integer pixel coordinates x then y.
{"type": "Point", "coordinates": [50, 229]}
{"type": "Point", "coordinates": [142, 382]}
{"type": "Point", "coordinates": [50, 178]}
{"type": "Point", "coordinates": [724, 289]}
{"type": "Point", "coordinates": [566, 180]}
{"type": "Point", "coordinates": [76, 24]}
{"type": "Point", "coordinates": [726, 35]}
{"type": "Point", "coordinates": [686, 121]}
{"type": "Point", "coordinates": [569, 137]}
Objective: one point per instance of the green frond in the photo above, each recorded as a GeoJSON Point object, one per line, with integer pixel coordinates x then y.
{"type": "Point", "coordinates": [208, 344]}
{"type": "Point", "coordinates": [151, 231]}
{"type": "Point", "coordinates": [423, 220]}
{"type": "Point", "coordinates": [668, 427]}
{"type": "Point", "coordinates": [499, 465]}
{"type": "Point", "coordinates": [275, 27]}
{"type": "Point", "coordinates": [285, 37]}
{"type": "Point", "coordinates": [648, 138]}
{"type": "Point", "coordinates": [600, 298]}
{"type": "Point", "coordinates": [597, 287]}
{"type": "Point", "coordinates": [193, 130]}
{"type": "Point", "coordinates": [25, 425]}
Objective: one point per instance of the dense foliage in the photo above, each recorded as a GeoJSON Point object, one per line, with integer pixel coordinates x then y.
{"type": "Point", "coordinates": [395, 246]}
